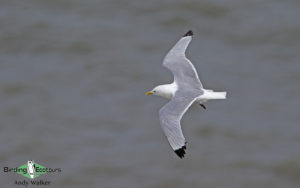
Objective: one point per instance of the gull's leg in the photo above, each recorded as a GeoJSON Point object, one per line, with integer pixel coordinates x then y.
{"type": "Point", "coordinates": [202, 105]}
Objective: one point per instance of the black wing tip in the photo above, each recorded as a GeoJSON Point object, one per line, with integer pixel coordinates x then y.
{"type": "Point", "coordinates": [189, 33]}
{"type": "Point", "coordinates": [180, 152]}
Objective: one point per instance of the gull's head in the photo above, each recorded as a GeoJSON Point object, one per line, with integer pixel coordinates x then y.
{"type": "Point", "coordinates": [165, 91]}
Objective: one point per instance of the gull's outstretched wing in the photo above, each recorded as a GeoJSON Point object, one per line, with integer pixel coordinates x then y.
{"type": "Point", "coordinates": [170, 116]}
{"type": "Point", "coordinates": [183, 70]}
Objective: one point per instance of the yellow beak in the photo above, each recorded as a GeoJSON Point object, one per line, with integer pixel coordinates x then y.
{"type": "Point", "coordinates": [149, 93]}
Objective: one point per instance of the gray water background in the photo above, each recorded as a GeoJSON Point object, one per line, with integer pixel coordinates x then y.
{"type": "Point", "coordinates": [73, 75]}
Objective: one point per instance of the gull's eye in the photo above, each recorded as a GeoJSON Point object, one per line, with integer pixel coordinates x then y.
{"type": "Point", "coordinates": [154, 91]}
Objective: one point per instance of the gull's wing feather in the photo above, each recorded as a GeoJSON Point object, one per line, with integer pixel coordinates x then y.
{"type": "Point", "coordinates": [170, 116]}
{"type": "Point", "coordinates": [183, 70]}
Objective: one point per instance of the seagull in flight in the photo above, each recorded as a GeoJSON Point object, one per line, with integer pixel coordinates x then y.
{"type": "Point", "coordinates": [183, 92]}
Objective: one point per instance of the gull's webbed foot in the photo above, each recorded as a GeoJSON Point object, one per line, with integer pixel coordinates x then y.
{"type": "Point", "coordinates": [202, 105]}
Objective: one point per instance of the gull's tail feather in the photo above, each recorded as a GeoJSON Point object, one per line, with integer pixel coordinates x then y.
{"type": "Point", "coordinates": [218, 95]}
{"type": "Point", "coordinates": [208, 95]}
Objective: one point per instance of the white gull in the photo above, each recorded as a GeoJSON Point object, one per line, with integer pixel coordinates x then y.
{"type": "Point", "coordinates": [183, 92]}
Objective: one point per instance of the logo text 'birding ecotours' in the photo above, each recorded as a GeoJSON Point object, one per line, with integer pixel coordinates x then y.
{"type": "Point", "coordinates": [31, 170]}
